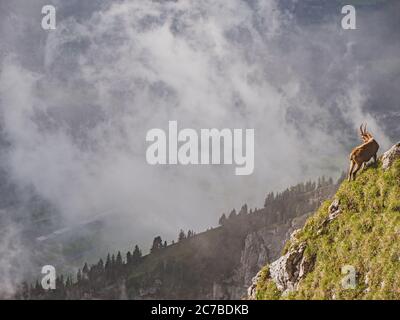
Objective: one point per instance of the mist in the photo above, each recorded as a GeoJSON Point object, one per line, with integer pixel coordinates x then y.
{"type": "Point", "coordinates": [76, 104]}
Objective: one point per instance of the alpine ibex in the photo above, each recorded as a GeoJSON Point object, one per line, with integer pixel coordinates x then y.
{"type": "Point", "coordinates": [363, 153]}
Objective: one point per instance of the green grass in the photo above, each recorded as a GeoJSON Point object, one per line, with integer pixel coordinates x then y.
{"type": "Point", "coordinates": [366, 235]}
{"type": "Point", "coordinates": [266, 290]}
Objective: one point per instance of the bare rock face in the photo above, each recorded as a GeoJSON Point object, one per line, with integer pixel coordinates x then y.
{"type": "Point", "coordinates": [333, 212]}
{"type": "Point", "coordinates": [289, 269]}
{"type": "Point", "coordinates": [390, 156]}
{"type": "Point", "coordinates": [334, 209]}
{"type": "Point", "coordinates": [254, 255]}
{"type": "Point", "coordinates": [252, 290]}
{"type": "Point", "coordinates": [293, 236]}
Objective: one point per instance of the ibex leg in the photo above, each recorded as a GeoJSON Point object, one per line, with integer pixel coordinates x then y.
{"type": "Point", "coordinates": [351, 170]}
{"type": "Point", "coordinates": [357, 167]}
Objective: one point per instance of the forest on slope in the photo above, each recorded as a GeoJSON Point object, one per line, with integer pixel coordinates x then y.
{"type": "Point", "coordinates": [212, 264]}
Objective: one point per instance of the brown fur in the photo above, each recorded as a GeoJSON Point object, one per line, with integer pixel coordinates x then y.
{"type": "Point", "coordinates": [363, 153]}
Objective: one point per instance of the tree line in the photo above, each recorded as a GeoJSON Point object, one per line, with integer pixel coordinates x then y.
{"type": "Point", "coordinates": [90, 279]}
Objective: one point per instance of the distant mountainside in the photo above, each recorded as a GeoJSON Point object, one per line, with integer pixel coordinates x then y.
{"type": "Point", "coordinates": [216, 264]}
{"type": "Point", "coordinates": [349, 249]}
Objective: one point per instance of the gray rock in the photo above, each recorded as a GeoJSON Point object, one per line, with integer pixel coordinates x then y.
{"type": "Point", "coordinates": [293, 236]}
{"type": "Point", "coordinates": [333, 213]}
{"type": "Point", "coordinates": [334, 210]}
{"type": "Point", "coordinates": [251, 291]}
{"type": "Point", "coordinates": [390, 156]}
{"type": "Point", "coordinates": [289, 269]}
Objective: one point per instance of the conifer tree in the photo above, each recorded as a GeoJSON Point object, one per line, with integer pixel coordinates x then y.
{"type": "Point", "coordinates": [118, 261]}
{"type": "Point", "coordinates": [100, 266]}
{"type": "Point", "coordinates": [107, 265]}
{"type": "Point", "coordinates": [128, 258]}
{"type": "Point", "coordinates": [181, 235]}
{"type": "Point", "coordinates": [157, 244]}
{"type": "Point", "coordinates": [113, 261]}
{"type": "Point", "coordinates": [222, 220]}
{"type": "Point", "coordinates": [136, 255]}
{"type": "Point", "coordinates": [79, 276]}
{"type": "Point", "coordinates": [232, 215]}
{"type": "Point", "coordinates": [85, 271]}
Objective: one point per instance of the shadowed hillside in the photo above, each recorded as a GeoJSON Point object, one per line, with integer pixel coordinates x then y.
{"type": "Point", "coordinates": [216, 264]}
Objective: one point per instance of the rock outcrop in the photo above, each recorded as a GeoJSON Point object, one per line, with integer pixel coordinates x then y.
{"type": "Point", "coordinates": [333, 213]}
{"type": "Point", "coordinates": [252, 290]}
{"type": "Point", "coordinates": [289, 269]}
{"type": "Point", "coordinates": [390, 156]}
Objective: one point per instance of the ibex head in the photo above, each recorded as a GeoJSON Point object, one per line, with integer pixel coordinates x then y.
{"type": "Point", "coordinates": [365, 135]}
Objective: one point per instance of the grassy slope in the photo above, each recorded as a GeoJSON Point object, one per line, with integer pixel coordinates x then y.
{"type": "Point", "coordinates": [366, 235]}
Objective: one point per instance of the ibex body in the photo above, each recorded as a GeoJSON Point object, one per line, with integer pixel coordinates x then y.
{"type": "Point", "coordinates": [363, 153]}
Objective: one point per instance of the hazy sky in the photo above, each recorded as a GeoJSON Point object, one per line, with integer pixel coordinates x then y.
{"type": "Point", "coordinates": [76, 102]}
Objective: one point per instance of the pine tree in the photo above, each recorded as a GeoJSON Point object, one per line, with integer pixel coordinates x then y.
{"type": "Point", "coordinates": [113, 261]}
{"type": "Point", "coordinates": [268, 200]}
{"type": "Point", "coordinates": [68, 283]}
{"type": "Point", "coordinates": [136, 255]}
{"type": "Point", "coordinates": [100, 266]}
{"type": "Point", "coordinates": [222, 220]}
{"type": "Point", "coordinates": [61, 283]}
{"type": "Point", "coordinates": [128, 258]}
{"type": "Point", "coordinates": [107, 265]}
{"type": "Point", "coordinates": [25, 290]}
{"type": "Point", "coordinates": [85, 271]}
{"type": "Point", "coordinates": [79, 276]}
{"type": "Point", "coordinates": [119, 259]}
{"type": "Point", "coordinates": [157, 244]}
{"type": "Point", "coordinates": [243, 210]}
{"type": "Point", "coordinates": [38, 287]}
{"type": "Point", "coordinates": [181, 235]}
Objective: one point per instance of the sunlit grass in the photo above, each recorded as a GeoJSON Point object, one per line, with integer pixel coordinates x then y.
{"type": "Point", "coordinates": [366, 235]}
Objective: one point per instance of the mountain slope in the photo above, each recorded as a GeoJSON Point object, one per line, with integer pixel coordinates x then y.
{"type": "Point", "coordinates": [216, 264]}
{"type": "Point", "coordinates": [355, 237]}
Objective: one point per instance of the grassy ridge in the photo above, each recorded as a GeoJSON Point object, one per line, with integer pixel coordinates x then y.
{"type": "Point", "coordinates": [366, 235]}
